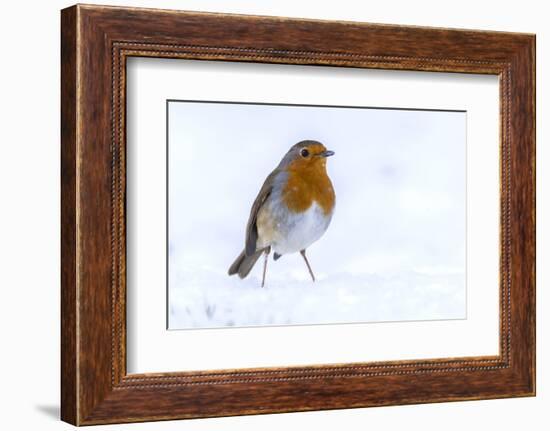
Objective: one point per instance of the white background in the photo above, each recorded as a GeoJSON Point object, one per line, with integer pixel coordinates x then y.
{"type": "Point", "coordinates": [29, 228]}
{"type": "Point", "coordinates": [151, 348]}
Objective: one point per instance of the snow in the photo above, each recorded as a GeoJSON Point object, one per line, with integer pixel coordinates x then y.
{"type": "Point", "coordinates": [395, 249]}
{"type": "Point", "coordinates": [211, 299]}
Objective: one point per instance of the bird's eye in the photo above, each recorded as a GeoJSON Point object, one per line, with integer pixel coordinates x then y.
{"type": "Point", "coordinates": [304, 152]}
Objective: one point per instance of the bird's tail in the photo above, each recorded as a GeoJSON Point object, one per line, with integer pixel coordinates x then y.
{"type": "Point", "coordinates": [244, 264]}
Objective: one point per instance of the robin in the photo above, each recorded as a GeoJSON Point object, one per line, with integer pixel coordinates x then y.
{"type": "Point", "coordinates": [292, 210]}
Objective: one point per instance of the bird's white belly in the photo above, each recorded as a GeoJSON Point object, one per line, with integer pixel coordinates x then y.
{"type": "Point", "coordinates": [288, 232]}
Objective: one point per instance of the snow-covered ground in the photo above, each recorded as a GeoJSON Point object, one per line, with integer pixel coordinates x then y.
{"type": "Point", "coordinates": [395, 249]}
{"type": "Point", "coordinates": [209, 298]}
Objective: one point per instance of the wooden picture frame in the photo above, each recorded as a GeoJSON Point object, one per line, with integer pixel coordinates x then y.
{"type": "Point", "coordinates": [95, 43]}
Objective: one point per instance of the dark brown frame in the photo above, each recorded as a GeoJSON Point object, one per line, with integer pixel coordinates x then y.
{"type": "Point", "coordinates": [95, 43]}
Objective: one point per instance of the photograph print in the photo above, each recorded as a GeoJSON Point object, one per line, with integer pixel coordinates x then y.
{"type": "Point", "coordinates": [285, 214]}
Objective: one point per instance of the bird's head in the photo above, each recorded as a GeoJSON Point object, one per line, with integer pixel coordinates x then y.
{"type": "Point", "coordinates": [306, 154]}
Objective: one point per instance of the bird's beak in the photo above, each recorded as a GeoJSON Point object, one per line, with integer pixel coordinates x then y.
{"type": "Point", "coordinates": [326, 153]}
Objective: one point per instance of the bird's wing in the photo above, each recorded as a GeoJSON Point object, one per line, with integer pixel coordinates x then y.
{"type": "Point", "coordinates": [251, 228]}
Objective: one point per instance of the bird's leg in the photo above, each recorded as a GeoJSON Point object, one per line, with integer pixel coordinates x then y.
{"type": "Point", "coordinates": [266, 256]}
{"type": "Point", "coordinates": [303, 253]}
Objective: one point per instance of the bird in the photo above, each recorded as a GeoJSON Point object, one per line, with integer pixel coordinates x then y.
{"type": "Point", "coordinates": [293, 209]}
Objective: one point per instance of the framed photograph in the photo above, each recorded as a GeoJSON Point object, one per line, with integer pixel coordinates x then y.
{"type": "Point", "coordinates": [264, 214]}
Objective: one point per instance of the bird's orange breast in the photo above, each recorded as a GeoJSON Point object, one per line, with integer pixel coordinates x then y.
{"type": "Point", "coordinates": [306, 184]}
